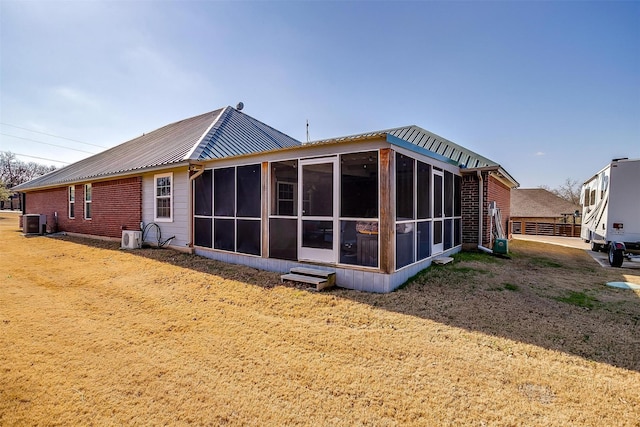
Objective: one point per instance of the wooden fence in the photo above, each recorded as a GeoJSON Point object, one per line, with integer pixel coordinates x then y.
{"type": "Point", "coordinates": [545, 229]}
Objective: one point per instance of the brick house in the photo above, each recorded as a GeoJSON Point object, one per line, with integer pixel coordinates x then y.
{"type": "Point", "coordinates": [375, 208]}
{"type": "Point", "coordinates": [145, 180]}
{"type": "Point", "coordinates": [537, 211]}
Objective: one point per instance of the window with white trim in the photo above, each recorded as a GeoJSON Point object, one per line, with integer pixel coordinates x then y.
{"type": "Point", "coordinates": [72, 201]}
{"type": "Point", "coordinates": [87, 201]}
{"type": "Point", "coordinates": [163, 211]}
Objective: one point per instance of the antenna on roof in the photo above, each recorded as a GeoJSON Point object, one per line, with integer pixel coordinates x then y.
{"type": "Point", "coordinates": [240, 106]}
{"type": "Point", "coordinates": [307, 130]}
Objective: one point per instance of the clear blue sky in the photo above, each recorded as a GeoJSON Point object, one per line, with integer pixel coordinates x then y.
{"type": "Point", "coordinates": [550, 90]}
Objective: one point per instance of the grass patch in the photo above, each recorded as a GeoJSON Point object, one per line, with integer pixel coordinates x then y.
{"type": "Point", "coordinates": [466, 270]}
{"type": "Point", "coordinates": [505, 286]}
{"type": "Point", "coordinates": [160, 338]}
{"type": "Point", "coordinates": [474, 257]}
{"type": "Point", "coordinates": [452, 274]}
{"type": "Point", "coordinates": [511, 287]}
{"type": "Point", "coordinates": [579, 299]}
{"type": "Point", "coordinates": [545, 262]}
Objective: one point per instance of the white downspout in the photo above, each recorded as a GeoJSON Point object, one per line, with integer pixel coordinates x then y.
{"type": "Point", "coordinates": [481, 213]}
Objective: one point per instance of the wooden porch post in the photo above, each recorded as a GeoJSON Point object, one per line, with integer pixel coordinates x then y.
{"type": "Point", "coordinates": [386, 210]}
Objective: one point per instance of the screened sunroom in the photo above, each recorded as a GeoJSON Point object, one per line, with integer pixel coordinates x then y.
{"type": "Point", "coordinates": [375, 208]}
{"type": "Point", "coordinates": [374, 211]}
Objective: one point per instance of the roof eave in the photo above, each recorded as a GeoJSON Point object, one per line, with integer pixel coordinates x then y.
{"type": "Point", "coordinates": [391, 139]}
{"type": "Point", "coordinates": [106, 177]}
{"type": "Point", "coordinates": [501, 174]}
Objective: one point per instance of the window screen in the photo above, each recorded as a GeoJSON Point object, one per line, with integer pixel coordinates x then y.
{"type": "Point", "coordinates": [424, 239]}
{"type": "Point", "coordinates": [457, 236]}
{"type": "Point", "coordinates": [224, 235]}
{"type": "Point", "coordinates": [448, 234]}
{"type": "Point", "coordinates": [437, 196]}
{"type": "Point", "coordinates": [448, 194]}
{"type": "Point", "coordinates": [202, 232]}
{"type": "Point", "coordinates": [424, 190]}
{"type": "Point", "coordinates": [359, 185]}
{"type": "Point", "coordinates": [283, 240]}
{"type": "Point", "coordinates": [224, 192]}
{"type": "Point", "coordinates": [457, 197]}
{"type": "Point", "coordinates": [284, 188]}
{"type": "Point", "coordinates": [203, 194]}
{"type": "Point", "coordinates": [404, 244]}
{"type": "Point", "coordinates": [248, 237]}
{"type": "Point", "coordinates": [404, 187]}
{"type": "Point", "coordinates": [249, 188]}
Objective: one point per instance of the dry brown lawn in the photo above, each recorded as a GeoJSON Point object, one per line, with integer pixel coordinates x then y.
{"type": "Point", "coordinates": [92, 335]}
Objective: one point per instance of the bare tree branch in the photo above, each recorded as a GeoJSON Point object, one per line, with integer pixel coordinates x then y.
{"type": "Point", "coordinates": [14, 171]}
{"type": "Point", "coordinates": [569, 190]}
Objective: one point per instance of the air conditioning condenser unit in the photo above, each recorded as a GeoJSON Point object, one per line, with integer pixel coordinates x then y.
{"type": "Point", "coordinates": [34, 224]}
{"type": "Point", "coordinates": [131, 239]}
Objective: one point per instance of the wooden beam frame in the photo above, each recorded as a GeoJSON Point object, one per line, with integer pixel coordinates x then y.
{"type": "Point", "coordinates": [387, 229]}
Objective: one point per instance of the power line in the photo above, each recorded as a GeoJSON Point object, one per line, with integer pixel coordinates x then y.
{"type": "Point", "coordinates": [55, 136]}
{"type": "Point", "coordinates": [34, 157]}
{"type": "Point", "coordinates": [46, 143]}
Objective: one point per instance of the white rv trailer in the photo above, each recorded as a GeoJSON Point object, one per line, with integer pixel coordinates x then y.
{"type": "Point", "coordinates": [611, 210]}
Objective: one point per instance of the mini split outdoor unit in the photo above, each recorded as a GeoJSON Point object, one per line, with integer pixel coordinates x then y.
{"type": "Point", "coordinates": [131, 239]}
{"type": "Point", "coordinates": [34, 223]}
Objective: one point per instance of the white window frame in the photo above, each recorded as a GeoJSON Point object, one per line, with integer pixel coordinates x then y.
{"type": "Point", "coordinates": [156, 218]}
{"type": "Point", "coordinates": [293, 199]}
{"type": "Point", "coordinates": [88, 201]}
{"type": "Point", "coordinates": [72, 201]}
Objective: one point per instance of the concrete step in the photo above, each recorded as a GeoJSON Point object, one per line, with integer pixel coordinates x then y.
{"type": "Point", "coordinates": [443, 260]}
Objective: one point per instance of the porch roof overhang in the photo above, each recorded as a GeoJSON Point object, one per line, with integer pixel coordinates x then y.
{"type": "Point", "coordinates": [419, 140]}
{"type": "Point", "coordinates": [394, 140]}
{"type": "Point", "coordinates": [384, 137]}
{"type": "Point", "coordinates": [497, 171]}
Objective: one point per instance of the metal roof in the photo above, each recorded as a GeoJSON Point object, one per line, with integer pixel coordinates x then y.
{"type": "Point", "coordinates": [437, 144]}
{"type": "Point", "coordinates": [441, 147]}
{"type": "Point", "coordinates": [235, 133]}
{"type": "Point", "coordinates": [427, 140]}
{"type": "Point", "coordinates": [227, 132]}
{"type": "Point", "coordinates": [221, 133]}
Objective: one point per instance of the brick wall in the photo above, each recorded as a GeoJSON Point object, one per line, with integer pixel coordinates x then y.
{"type": "Point", "coordinates": [501, 194]}
{"type": "Point", "coordinates": [48, 202]}
{"type": "Point", "coordinates": [470, 211]}
{"type": "Point", "coordinates": [493, 190]}
{"type": "Point", "coordinates": [116, 205]}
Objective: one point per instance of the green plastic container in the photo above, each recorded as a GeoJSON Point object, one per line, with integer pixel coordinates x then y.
{"type": "Point", "coordinates": [501, 246]}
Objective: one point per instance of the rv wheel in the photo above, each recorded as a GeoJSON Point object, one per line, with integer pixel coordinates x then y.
{"type": "Point", "coordinates": [596, 247]}
{"type": "Point", "coordinates": [615, 257]}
